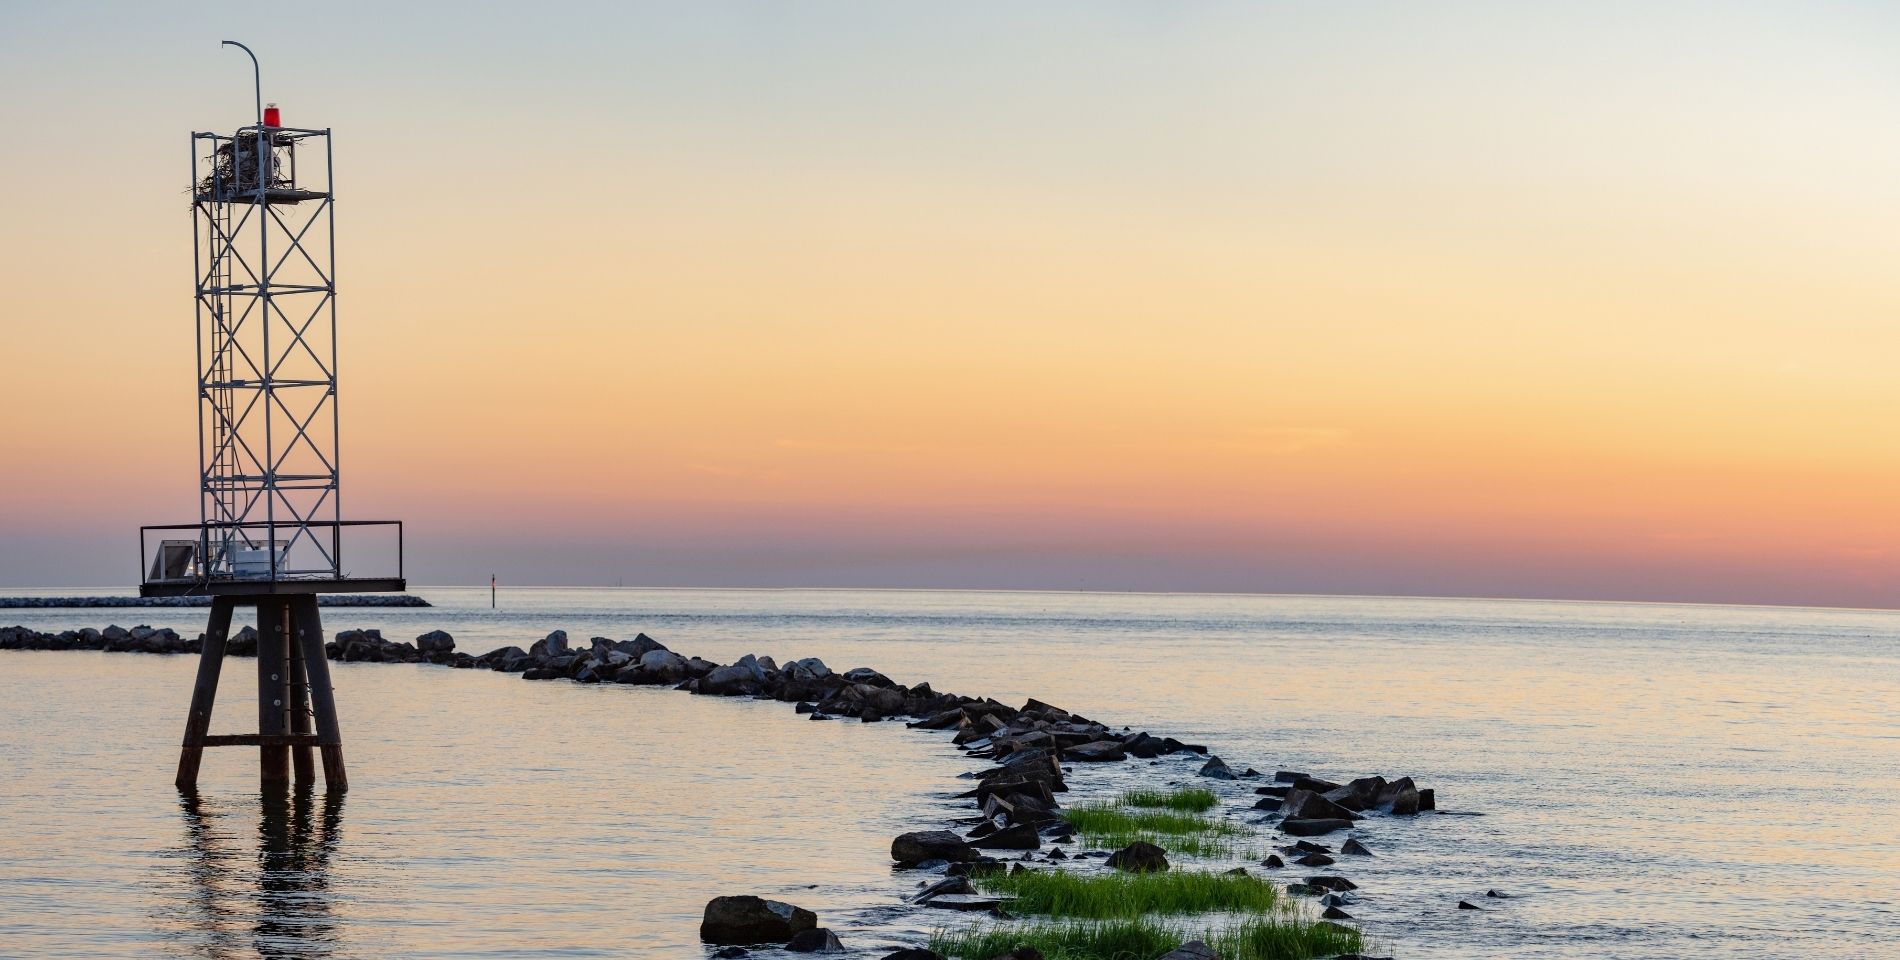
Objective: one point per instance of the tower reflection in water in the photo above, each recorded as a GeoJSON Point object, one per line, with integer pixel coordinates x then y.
{"type": "Point", "coordinates": [277, 903]}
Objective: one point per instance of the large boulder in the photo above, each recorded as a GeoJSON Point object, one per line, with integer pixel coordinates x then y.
{"type": "Point", "coordinates": [913, 953]}
{"type": "Point", "coordinates": [163, 640]}
{"type": "Point", "coordinates": [752, 666]}
{"type": "Point", "coordinates": [731, 680]}
{"type": "Point", "coordinates": [639, 646]}
{"type": "Point", "coordinates": [436, 641]}
{"type": "Point", "coordinates": [867, 675]}
{"type": "Point", "coordinates": [1139, 857]}
{"type": "Point", "coordinates": [1401, 797]}
{"type": "Point", "coordinates": [747, 919]}
{"type": "Point", "coordinates": [552, 645]}
{"type": "Point", "coordinates": [1307, 805]}
{"type": "Point", "coordinates": [1367, 789]}
{"type": "Point", "coordinates": [913, 848]}
{"type": "Point", "coordinates": [809, 668]}
{"type": "Point", "coordinates": [509, 659]}
{"type": "Point", "coordinates": [662, 666]}
{"type": "Point", "coordinates": [885, 700]}
{"type": "Point", "coordinates": [1097, 752]}
{"type": "Point", "coordinates": [1144, 746]}
{"type": "Point", "coordinates": [241, 644]}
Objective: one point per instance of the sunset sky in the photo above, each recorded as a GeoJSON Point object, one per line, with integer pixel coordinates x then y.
{"type": "Point", "coordinates": [1591, 300]}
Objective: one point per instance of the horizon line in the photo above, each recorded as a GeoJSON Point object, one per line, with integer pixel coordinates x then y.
{"type": "Point", "coordinates": [1083, 590]}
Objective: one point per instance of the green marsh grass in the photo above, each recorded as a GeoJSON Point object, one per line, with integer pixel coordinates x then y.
{"type": "Point", "coordinates": [1288, 938]}
{"type": "Point", "coordinates": [1188, 799]}
{"type": "Point", "coordinates": [1113, 826]}
{"type": "Point", "coordinates": [1256, 939]}
{"type": "Point", "coordinates": [1112, 916]}
{"type": "Point", "coordinates": [1103, 818]}
{"type": "Point", "coordinates": [1101, 896]}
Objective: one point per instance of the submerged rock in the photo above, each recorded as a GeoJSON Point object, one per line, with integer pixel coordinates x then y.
{"type": "Point", "coordinates": [947, 887]}
{"type": "Point", "coordinates": [1023, 836]}
{"type": "Point", "coordinates": [1313, 828]}
{"type": "Point", "coordinates": [1191, 950]}
{"type": "Point", "coordinates": [815, 940]}
{"type": "Point", "coordinates": [1217, 768]}
{"type": "Point", "coordinates": [1139, 857]}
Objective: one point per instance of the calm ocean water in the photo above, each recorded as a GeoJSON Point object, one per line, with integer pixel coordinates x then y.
{"type": "Point", "coordinates": [1654, 781]}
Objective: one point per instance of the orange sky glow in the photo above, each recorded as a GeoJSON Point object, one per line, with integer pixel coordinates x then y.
{"type": "Point", "coordinates": [1482, 300]}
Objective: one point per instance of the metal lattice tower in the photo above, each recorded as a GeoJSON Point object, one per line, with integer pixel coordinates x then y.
{"type": "Point", "coordinates": [264, 232]}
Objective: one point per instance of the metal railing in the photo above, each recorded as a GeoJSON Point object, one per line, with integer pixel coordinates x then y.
{"type": "Point", "coordinates": [252, 551]}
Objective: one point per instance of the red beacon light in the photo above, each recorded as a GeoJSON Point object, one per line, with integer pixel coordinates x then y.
{"type": "Point", "coordinates": [271, 116]}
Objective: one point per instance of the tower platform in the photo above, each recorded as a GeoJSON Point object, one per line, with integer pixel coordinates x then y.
{"type": "Point", "coordinates": [270, 588]}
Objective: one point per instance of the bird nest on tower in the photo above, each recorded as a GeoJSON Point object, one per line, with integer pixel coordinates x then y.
{"type": "Point", "coordinates": [240, 162]}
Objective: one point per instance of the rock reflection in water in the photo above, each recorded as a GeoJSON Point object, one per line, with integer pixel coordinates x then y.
{"type": "Point", "coordinates": [279, 904]}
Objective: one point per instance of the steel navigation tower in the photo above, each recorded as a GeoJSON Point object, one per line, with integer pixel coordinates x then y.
{"type": "Point", "coordinates": [270, 532]}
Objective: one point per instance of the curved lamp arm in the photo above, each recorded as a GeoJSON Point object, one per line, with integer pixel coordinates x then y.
{"type": "Point", "coordinates": [257, 79]}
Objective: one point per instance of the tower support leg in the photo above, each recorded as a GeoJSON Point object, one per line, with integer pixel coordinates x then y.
{"type": "Point", "coordinates": [309, 630]}
{"type": "Point", "coordinates": [273, 686]}
{"type": "Point", "coordinates": [205, 692]}
{"type": "Point", "coordinates": [301, 755]}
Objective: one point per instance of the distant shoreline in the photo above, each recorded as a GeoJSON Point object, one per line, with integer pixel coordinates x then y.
{"type": "Point", "coordinates": [326, 600]}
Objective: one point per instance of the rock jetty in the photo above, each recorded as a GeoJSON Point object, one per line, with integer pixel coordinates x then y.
{"type": "Point", "coordinates": [323, 600]}
{"type": "Point", "coordinates": [1029, 751]}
